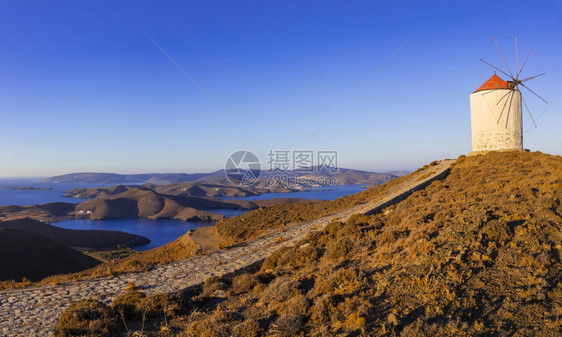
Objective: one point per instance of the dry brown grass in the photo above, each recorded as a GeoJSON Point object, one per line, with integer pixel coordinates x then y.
{"type": "Point", "coordinates": [476, 254]}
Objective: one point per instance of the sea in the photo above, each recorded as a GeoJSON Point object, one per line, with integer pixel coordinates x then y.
{"type": "Point", "coordinates": [159, 231]}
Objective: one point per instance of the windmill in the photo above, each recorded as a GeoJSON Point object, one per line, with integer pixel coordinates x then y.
{"type": "Point", "coordinates": [496, 109]}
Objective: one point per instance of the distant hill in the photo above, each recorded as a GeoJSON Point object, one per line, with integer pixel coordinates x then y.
{"type": "Point", "coordinates": [399, 173]}
{"type": "Point", "coordinates": [114, 178]}
{"type": "Point", "coordinates": [79, 239]}
{"type": "Point", "coordinates": [94, 192]}
{"type": "Point", "coordinates": [342, 176]}
{"type": "Point", "coordinates": [170, 178]}
{"type": "Point", "coordinates": [219, 189]}
{"type": "Point", "coordinates": [305, 179]}
{"type": "Point", "coordinates": [351, 177]}
{"type": "Point", "coordinates": [35, 257]}
{"type": "Point", "coordinates": [189, 189]}
{"type": "Point", "coordinates": [217, 184]}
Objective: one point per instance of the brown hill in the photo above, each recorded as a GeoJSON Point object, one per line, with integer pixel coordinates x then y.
{"type": "Point", "coordinates": [132, 202]}
{"type": "Point", "coordinates": [476, 254]}
{"type": "Point", "coordinates": [207, 189]}
{"type": "Point", "coordinates": [177, 189]}
{"type": "Point", "coordinates": [54, 211]}
{"type": "Point", "coordinates": [146, 203]}
{"type": "Point", "coordinates": [351, 177]}
{"type": "Point", "coordinates": [79, 239]}
{"type": "Point", "coordinates": [94, 192]}
{"type": "Point", "coordinates": [34, 257]}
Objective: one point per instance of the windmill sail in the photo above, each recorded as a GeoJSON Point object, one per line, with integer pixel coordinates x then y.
{"type": "Point", "coordinates": [515, 82]}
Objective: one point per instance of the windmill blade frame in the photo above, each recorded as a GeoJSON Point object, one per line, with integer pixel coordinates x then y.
{"type": "Point", "coordinates": [516, 60]}
{"type": "Point", "coordinates": [515, 83]}
{"type": "Point", "coordinates": [534, 93]}
{"type": "Point", "coordinates": [509, 109]}
{"type": "Point", "coordinates": [523, 66]}
{"type": "Point", "coordinates": [528, 110]}
{"type": "Point", "coordinates": [503, 109]}
{"type": "Point", "coordinates": [501, 99]}
{"type": "Point", "coordinates": [504, 60]}
{"type": "Point", "coordinates": [532, 77]}
{"type": "Point", "coordinates": [498, 69]}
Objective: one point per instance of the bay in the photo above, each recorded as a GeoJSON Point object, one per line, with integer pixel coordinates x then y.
{"type": "Point", "coordinates": [318, 193]}
{"type": "Point", "coordinates": [10, 195]}
{"type": "Point", "coordinates": [160, 231]}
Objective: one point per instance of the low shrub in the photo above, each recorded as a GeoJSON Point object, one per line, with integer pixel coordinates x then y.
{"type": "Point", "coordinates": [214, 284]}
{"type": "Point", "coordinates": [159, 305]}
{"type": "Point", "coordinates": [87, 317]}
{"type": "Point", "coordinates": [288, 325]}
{"type": "Point", "coordinates": [128, 304]}
{"type": "Point", "coordinates": [243, 282]}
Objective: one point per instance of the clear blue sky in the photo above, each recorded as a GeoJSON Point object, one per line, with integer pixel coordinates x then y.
{"type": "Point", "coordinates": [83, 88]}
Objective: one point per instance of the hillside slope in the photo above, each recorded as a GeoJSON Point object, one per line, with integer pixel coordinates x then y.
{"type": "Point", "coordinates": [54, 211]}
{"type": "Point", "coordinates": [146, 203]}
{"type": "Point", "coordinates": [34, 257]}
{"type": "Point", "coordinates": [143, 204]}
{"type": "Point", "coordinates": [79, 239]}
{"type": "Point", "coordinates": [476, 254]}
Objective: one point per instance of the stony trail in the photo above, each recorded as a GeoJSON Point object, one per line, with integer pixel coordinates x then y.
{"type": "Point", "coordinates": [35, 311]}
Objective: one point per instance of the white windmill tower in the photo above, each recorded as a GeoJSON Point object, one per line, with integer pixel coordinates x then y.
{"type": "Point", "coordinates": [496, 111]}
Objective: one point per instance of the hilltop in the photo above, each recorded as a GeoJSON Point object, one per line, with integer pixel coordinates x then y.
{"type": "Point", "coordinates": [25, 255]}
{"type": "Point", "coordinates": [474, 254]}
{"type": "Point", "coordinates": [54, 211]}
{"type": "Point", "coordinates": [34, 250]}
{"type": "Point", "coordinates": [183, 189]}
{"type": "Point", "coordinates": [219, 189]}
{"type": "Point", "coordinates": [77, 239]}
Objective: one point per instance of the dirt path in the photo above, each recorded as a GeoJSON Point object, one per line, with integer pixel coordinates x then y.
{"type": "Point", "coordinates": [35, 311]}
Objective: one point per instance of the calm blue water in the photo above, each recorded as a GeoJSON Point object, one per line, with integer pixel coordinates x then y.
{"type": "Point", "coordinates": [158, 231]}
{"type": "Point", "coordinates": [23, 198]}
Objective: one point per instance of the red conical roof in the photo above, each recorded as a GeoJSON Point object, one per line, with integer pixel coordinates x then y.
{"type": "Point", "coordinates": [495, 82]}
